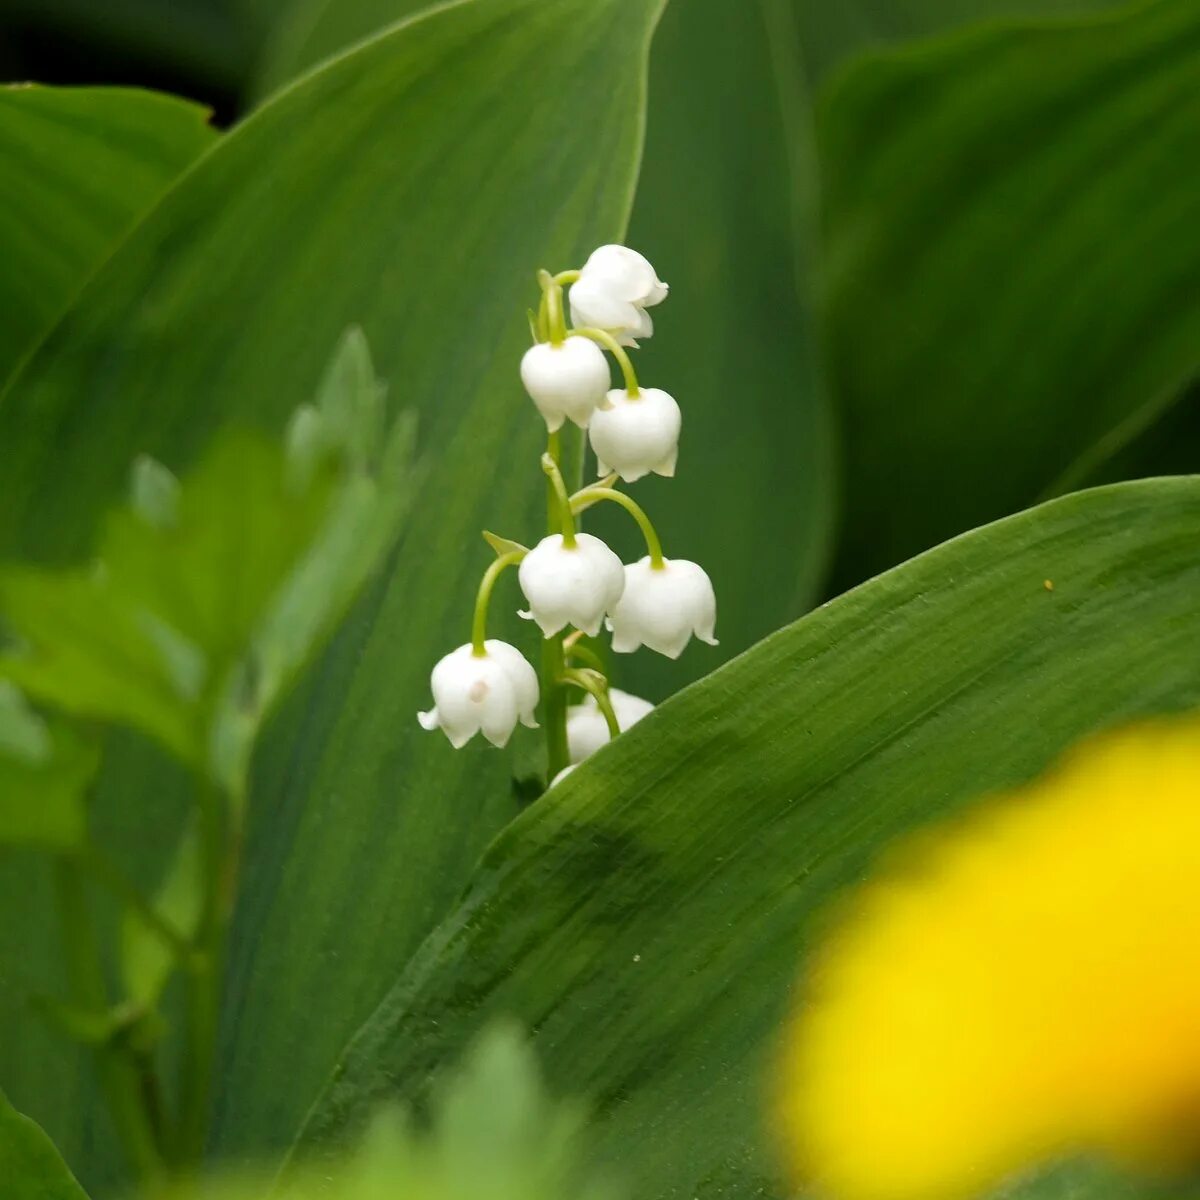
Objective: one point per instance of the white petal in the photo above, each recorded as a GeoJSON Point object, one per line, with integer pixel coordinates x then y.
{"type": "Point", "coordinates": [636, 435]}
{"type": "Point", "coordinates": [428, 720]}
{"type": "Point", "coordinates": [565, 381]}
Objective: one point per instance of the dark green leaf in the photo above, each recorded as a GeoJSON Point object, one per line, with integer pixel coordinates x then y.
{"type": "Point", "coordinates": [30, 1167]}
{"type": "Point", "coordinates": [724, 209]}
{"type": "Point", "coordinates": [649, 916]}
{"type": "Point", "coordinates": [832, 33]}
{"type": "Point", "coordinates": [413, 187]}
{"type": "Point", "coordinates": [1010, 262]}
{"type": "Point", "coordinates": [80, 166]}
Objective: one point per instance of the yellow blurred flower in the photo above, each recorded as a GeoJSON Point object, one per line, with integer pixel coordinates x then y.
{"type": "Point", "coordinates": [1022, 985]}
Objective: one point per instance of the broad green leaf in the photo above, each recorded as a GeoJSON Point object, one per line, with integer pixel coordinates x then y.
{"type": "Point", "coordinates": [80, 166]}
{"type": "Point", "coordinates": [30, 1166]}
{"type": "Point", "coordinates": [45, 769]}
{"type": "Point", "coordinates": [412, 186]}
{"type": "Point", "coordinates": [649, 917]}
{"type": "Point", "coordinates": [724, 209]}
{"type": "Point", "coordinates": [832, 33]}
{"type": "Point", "coordinates": [1010, 250]}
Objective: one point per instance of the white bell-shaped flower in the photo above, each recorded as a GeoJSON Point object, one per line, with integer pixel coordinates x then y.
{"type": "Point", "coordinates": [570, 585]}
{"type": "Point", "coordinates": [615, 287]}
{"type": "Point", "coordinates": [563, 774]}
{"type": "Point", "coordinates": [488, 693]}
{"type": "Point", "coordinates": [661, 608]}
{"type": "Point", "coordinates": [587, 730]}
{"type": "Point", "coordinates": [634, 435]}
{"type": "Point", "coordinates": [566, 382]}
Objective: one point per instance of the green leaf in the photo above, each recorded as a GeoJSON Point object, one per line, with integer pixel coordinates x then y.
{"type": "Point", "coordinates": [46, 767]}
{"type": "Point", "coordinates": [427, 174]}
{"type": "Point", "coordinates": [832, 33]}
{"type": "Point", "coordinates": [725, 211]}
{"type": "Point", "coordinates": [649, 916]}
{"type": "Point", "coordinates": [1011, 246]}
{"type": "Point", "coordinates": [147, 962]}
{"type": "Point", "coordinates": [80, 166]}
{"type": "Point", "coordinates": [29, 1164]}
{"type": "Point", "coordinates": [727, 144]}
{"type": "Point", "coordinates": [207, 598]}
{"type": "Point", "coordinates": [493, 1134]}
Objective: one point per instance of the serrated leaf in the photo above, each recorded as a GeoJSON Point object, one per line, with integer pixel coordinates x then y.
{"type": "Point", "coordinates": [207, 597]}
{"type": "Point", "coordinates": [650, 914]}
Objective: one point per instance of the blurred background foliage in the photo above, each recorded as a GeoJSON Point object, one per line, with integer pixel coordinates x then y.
{"type": "Point", "coordinates": [926, 272]}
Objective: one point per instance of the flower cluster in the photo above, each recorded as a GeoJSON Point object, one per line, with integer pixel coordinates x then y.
{"type": "Point", "coordinates": [572, 582]}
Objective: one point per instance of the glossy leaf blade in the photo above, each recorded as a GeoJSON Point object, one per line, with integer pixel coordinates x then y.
{"type": "Point", "coordinates": [1010, 262]}
{"type": "Point", "coordinates": [649, 917]}
{"type": "Point", "coordinates": [80, 167]}
{"type": "Point", "coordinates": [412, 187]}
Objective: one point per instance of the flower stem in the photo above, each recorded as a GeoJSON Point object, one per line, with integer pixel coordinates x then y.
{"type": "Point", "coordinates": [118, 1077]}
{"type": "Point", "coordinates": [591, 495]}
{"type": "Point", "coordinates": [203, 998]}
{"type": "Point", "coordinates": [562, 501]}
{"type": "Point", "coordinates": [594, 683]}
{"type": "Point", "coordinates": [554, 700]}
{"type": "Point", "coordinates": [552, 299]}
{"type": "Point", "coordinates": [614, 348]}
{"type": "Point", "coordinates": [483, 598]}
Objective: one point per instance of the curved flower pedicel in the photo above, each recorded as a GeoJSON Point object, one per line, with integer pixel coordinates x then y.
{"type": "Point", "coordinates": [570, 579]}
{"type": "Point", "coordinates": [488, 693]}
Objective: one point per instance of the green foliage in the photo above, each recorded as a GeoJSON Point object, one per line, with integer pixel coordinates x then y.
{"type": "Point", "coordinates": [492, 1133]}
{"type": "Point", "coordinates": [219, 310]}
{"type": "Point", "coordinates": [80, 167]}
{"type": "Point", "coordinates": [1010, 250]}
{"type": "Point", "coordinates": [30, 1167]}
{"type": "Point", "coordinates": [207, 597]}
{"type": "Point", "coordinates": [670, 883]}
{"type": "Point", "coordinates": [46, 766]}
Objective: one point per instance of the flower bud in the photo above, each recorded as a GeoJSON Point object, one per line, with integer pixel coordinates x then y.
{"type": "Point", "coordinates": [587, 730]}
{"type": "Point", "coordinates": [566, 381]}
{"type": "Point", "coordinates": [613, 291]}
{"type": "Point", "coordinates": [662, 608]}
{"type": "Point", "coordinates": [573, 585]}
{"type": "Point", "coordinates": [634, 435]}
{"type": "Point", "coordinates": [490, 692]}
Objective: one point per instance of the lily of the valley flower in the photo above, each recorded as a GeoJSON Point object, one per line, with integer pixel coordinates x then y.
{"type": "Point", "coordinates": [587, 730]}
{"type": "Point", "coordinates": [566, 382]}
{"type": "Point", "coordinates": [615, 287]}
{"type": "Point", "coordinates": [634, 435]}
{"type": "Point", "coordinates": [571, 585]}
{"type": "Point", "coordinates": [489, 693]}
{"type": "Point", "coordinates": [663, 606]}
